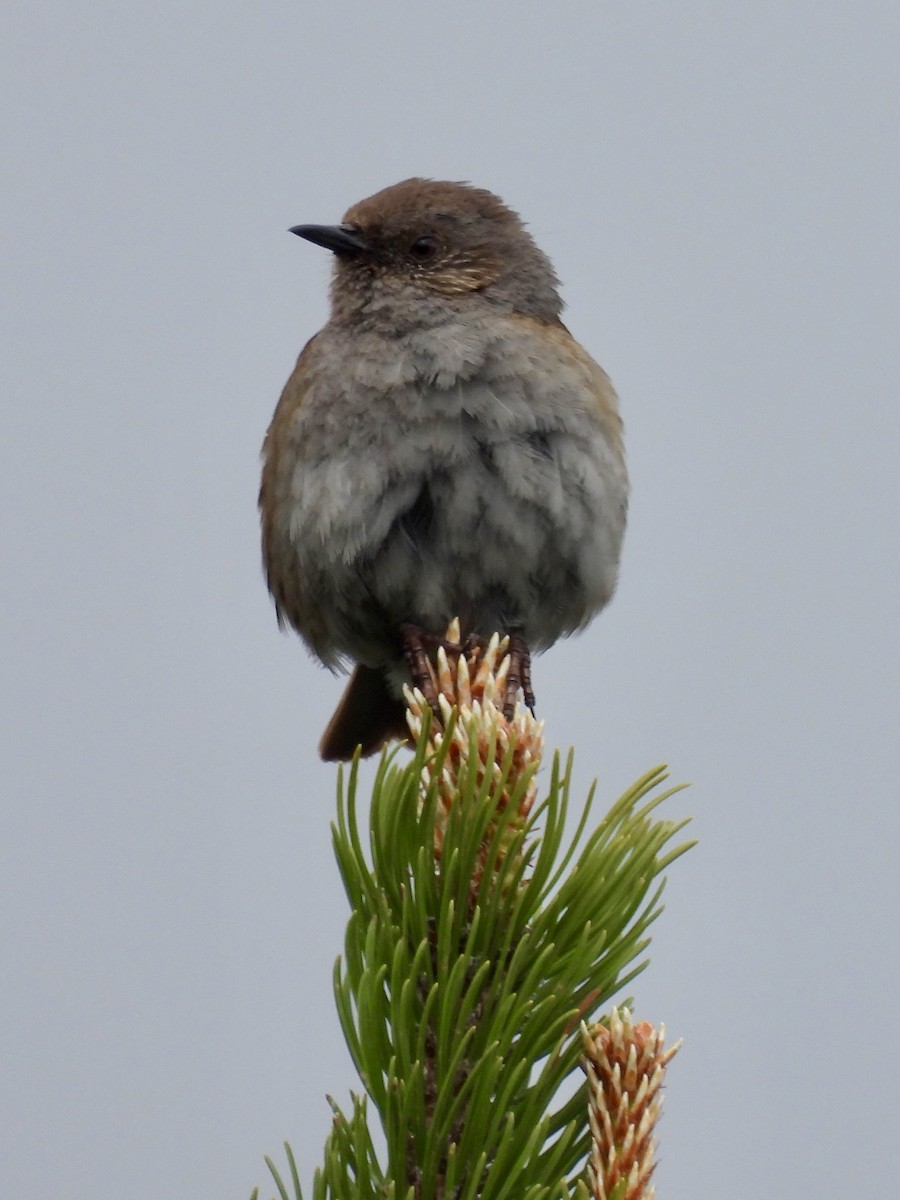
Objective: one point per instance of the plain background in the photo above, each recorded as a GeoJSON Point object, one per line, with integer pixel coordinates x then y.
{"type": "Point", "coordinates": [717, 185]}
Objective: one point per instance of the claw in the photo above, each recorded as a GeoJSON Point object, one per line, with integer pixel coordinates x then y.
{"type": "Point", "coordinates": [519, 676]}
{"type": "Point", "coordinates": [420, 648]}
{"type": "Point", "coordinates": [413, 641]}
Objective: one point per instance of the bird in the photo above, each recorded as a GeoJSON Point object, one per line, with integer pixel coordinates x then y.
{"type": "Point", "coordinates": [444, 448]}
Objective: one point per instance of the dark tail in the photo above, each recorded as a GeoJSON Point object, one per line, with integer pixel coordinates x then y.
{"type": "Point", "coordinates": [367, 716]}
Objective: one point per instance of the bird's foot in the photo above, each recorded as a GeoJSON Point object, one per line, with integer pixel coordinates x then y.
{"type": "Point", "coordinates": [420, 649]}
{"type": "Point", "coordinates": [413, 640]}
{"type": "Point", "coordinates": [519, 676]}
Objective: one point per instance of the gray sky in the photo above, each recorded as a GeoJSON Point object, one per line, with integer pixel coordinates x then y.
{"type": "Point", "coordinates": [717, 185]}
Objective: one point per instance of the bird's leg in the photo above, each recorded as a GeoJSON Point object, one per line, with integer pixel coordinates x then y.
{"type": "Point", "coordinates": [413, 641]}
{"type": "Point", "coordinates": [519, 676]}
{"type": "Point", "coordinates": [527, 686]}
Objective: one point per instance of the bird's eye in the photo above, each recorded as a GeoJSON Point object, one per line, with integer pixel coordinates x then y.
{"type": "Point", "coordinates": [425, 248]}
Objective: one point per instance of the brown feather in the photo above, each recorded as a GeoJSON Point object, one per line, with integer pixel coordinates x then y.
{"type": "Point", "coordinates": [367, 716]}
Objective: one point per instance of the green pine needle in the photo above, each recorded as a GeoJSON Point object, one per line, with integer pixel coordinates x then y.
{"type": "Point", "coordinates": [466, 973]}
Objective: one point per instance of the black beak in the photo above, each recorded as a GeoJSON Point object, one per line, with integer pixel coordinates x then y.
{"type": "Point", "coordinates": [341, 239]}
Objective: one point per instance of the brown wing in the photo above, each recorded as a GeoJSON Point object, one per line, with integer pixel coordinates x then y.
{"type": "Point", "coordinates": [278, 444]}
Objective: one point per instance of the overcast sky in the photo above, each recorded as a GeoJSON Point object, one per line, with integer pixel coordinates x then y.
{"type": "Point", "coordinates": [717, 184]}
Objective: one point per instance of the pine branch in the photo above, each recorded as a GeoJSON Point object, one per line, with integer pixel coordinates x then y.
{"type": "Point", "coordinates": [480, 942]}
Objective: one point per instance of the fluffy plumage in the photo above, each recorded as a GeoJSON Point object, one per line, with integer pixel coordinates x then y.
{"type": "Point", "coordinates": [443, 448]}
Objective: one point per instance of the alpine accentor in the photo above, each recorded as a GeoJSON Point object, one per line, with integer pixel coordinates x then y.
{"type": "Point", "coordinates": [444, 447]}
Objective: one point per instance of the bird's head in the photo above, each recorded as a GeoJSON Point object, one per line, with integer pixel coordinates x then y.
{"type": "Point", "coordinates": [425, 247]}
